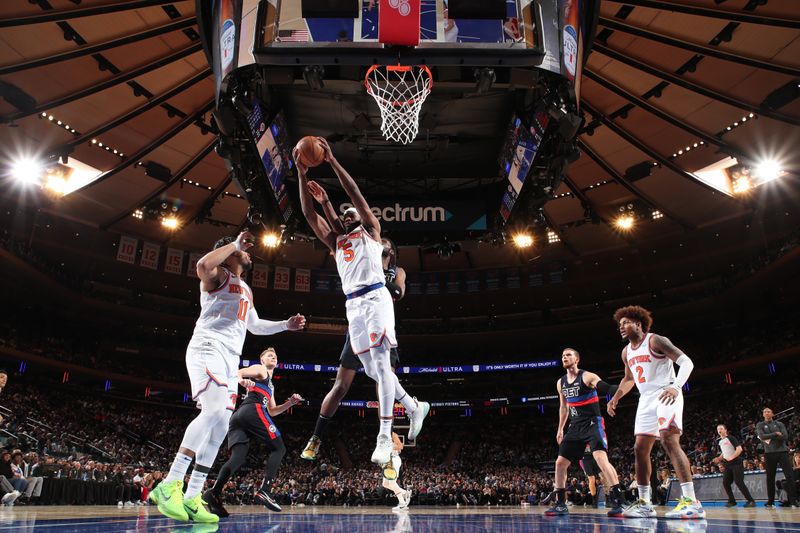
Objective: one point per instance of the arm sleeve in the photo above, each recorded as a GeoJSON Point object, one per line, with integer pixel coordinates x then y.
{"type": "Point", "coordinates": [256, 326]}
{"type": "Point", "coordinates": [394, 289]}
{"type": "Point", "coordinates": [606, 388]}
{"type": "Point", "coordinates": [686, 366]}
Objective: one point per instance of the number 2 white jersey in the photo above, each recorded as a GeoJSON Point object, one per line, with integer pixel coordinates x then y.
{"type": "Point", "coordinates": [651, 372]}
{"type": "Point", "coordinates": [223, 313]}
{"type": "Point", "coordinates": [358, 260]}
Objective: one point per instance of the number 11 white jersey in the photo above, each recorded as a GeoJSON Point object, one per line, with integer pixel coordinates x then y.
{"type": "Point", "coordinates": [223, 313]}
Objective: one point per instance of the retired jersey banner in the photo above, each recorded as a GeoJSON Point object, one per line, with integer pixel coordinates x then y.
{"type": "Point", "coordinates": [260, 273]}
{"type": "Point", "coordinates": [281, 279]}
{"type": "Point", "coordinates": [150, 253]}
{"type": "Point", "coordinates": [302, 280]}
{"type": "Point", "coordinates": [174, 261]}
{"type": "Point", "coordinates": [322, 281]}
{"type": "Point", "coordinates": [127, 249]}
{"type": "Point", "coordinates": [191, 270]}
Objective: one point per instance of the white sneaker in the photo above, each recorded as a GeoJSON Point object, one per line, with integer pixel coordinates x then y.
{"type": "Point", "coordinates": [639, 509]}
{"type": "Point", "coordinates": [383, 450]}
{"type": "Point", "coordinates": [120, 504]}
{"type": "Point", "coordinates": [128, 504]}
{"type": "Point", "coordinates": [417, 418]}
{"type": "Point", "coordinates": [405, 499]}
{"type": "Point", "coordinates": [9, 498]}
{"type": "Point", "coordinates": [687, 508]}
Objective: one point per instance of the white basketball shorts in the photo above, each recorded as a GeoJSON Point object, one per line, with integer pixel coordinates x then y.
{"type": "Point", "coordinates": [652, 416]}
{"type": "Point", "coordinates": [210, 364]}
{"type": "Point", "coordinates": [370, 321]}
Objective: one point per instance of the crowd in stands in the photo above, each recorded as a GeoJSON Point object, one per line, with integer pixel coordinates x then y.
{"type": "Point", "coordinates": [107, 451]}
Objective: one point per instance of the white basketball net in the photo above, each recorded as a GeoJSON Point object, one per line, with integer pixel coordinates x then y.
{"type": "Point", "coordinates": [399, 92]}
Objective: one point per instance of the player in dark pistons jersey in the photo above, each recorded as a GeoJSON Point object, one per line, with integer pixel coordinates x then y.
{"type": "Point", "coordinates": [580, 403]}
{"type": "Point", "coordinates": [349, 363]}
{"type": "Point", "coordinates": [253, 420]}
{"type": "Point", "coordinates": [356, 244]}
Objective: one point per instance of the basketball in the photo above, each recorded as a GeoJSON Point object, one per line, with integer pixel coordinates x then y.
{"type": "Point", "coordinates": [311, 152]}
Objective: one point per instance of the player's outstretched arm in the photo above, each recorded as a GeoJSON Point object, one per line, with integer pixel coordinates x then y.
{"type": "Point", "coordinates": [351, 188]}
{"type": "Point", "coordinates": [400, 281]}
{"type": "Point", "coordinates": [274, 410]}
{"type": "Point", "coordinates": [320, 195]}
{"type": "Point", "coordinates": [318, 225]}
{"type": "Point", "coordinates": [258, 326]}
{"type": "Point", "coordinates": [208, 266]}
{"type": "Point", "coordinates": [253, 372]}
{"type": "Point", "coordinates": [593, 381]}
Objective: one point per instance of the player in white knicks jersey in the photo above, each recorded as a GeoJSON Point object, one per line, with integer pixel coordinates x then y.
{"type": "Point", "coordinates": [370, 311]}
{"type": "Point", "coordinates": [649, 365]}
{"type": "Point", "coordinates": [212, 361]}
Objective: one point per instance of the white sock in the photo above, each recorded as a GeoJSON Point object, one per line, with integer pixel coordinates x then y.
{"type": "Point", "coordinates": [179, 468]}
{"type": "Point", "coordinates": [687, 489]}
{"type": "Point", "coordinates": [196, 484]}
{"type": "Point", "coordinates": [386, 427]}
{"type": "Point", "coordinates": [644, 493]}
{"type": "Point", "coordinates": [409, 403]}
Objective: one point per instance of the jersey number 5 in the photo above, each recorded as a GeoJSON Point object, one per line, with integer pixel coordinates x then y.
{"type": "Point", "coordinates": [639, 377]}
{"type": "Point", "coordinates": [243, 306]}
{"type": "Point", "coordinates": [347, 250]}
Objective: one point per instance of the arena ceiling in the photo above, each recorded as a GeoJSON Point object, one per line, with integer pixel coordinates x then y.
{"type": "Point", "coordinates": [672, 87]}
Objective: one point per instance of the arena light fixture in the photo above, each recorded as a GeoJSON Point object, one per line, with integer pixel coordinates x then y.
{"type": "Point", "coordinates": [656, 214]}
{"type": "Point", "coordinates": [56, 184]}
{"type": "Point", "coordinates": [523, 240]}
{"type": "Point", "coordinates": [768, 170]}
{"type": "Point", "coordinates": [271, 240]}
{"type": "Point", "coordinates": [552, 237]}
{"type": "Point", "coordinates": [624, 222]}
{"type": "Point", "coordinates": [742, 185]}
{"type": "Point", "coordinates": [27, 170]}
{"type": "Point", "coordinates": [170, 223]}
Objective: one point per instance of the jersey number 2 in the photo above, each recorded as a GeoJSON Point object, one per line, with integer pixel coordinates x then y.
{"type": "Point", "coordinates": [639, 377]}
{"type": "Point", "coordinates": [347, 250]}
{"type": "Point", "coordinates": [242, 313]}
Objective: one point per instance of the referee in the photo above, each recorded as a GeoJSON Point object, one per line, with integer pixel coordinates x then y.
{"type": "Point", "coordinates": [731, 457]}
{"type": "Point", "coordinates": [775, 438]}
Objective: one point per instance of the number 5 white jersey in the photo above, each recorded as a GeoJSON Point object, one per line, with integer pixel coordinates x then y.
{"type": "Point", "coordinates": [223, 314]}
{"type": "Point", "coordinates": [651, 372]}
{"type": "Point", "coordinates": [358, 260]}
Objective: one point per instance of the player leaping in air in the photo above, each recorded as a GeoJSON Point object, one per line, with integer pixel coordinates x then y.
{"type": "Point", "coordinates": [370, 312]}
{"type": "Point", "coordinates": [212, 361]}
{"type": "Point", "coordinates": [648, 359]}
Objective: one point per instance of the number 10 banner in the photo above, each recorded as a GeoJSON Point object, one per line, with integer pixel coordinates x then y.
{"type": "Point", "coordinates": [127, 249]}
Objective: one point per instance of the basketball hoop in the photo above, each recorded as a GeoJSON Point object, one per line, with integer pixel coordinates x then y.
{"type": "Point", "coordinates": [399, 92]}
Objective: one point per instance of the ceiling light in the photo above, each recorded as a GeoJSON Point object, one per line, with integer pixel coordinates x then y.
{"type": "Point", "coordinates": [624, 222]}
{"type": "Point", "coordinates": [656, 214]}
{"type": "Point", "coordinates": [27, 170]}
{"type": "Point", "coordinates": [170, 223]}
{"type": "Point", "coordinates": [56, 184]}
{"type": "Point", "coordinates": [768, 170]}
{"type": "Point", "coordinates": [552, 237]}
{"type": "Point", "coordinates": [271, 240]}
{"type": "Point", "coordinates": [522, 240]}
{"type": "Point", "coordinates": [741, 185]}
{"type": "Point", "coordinates": [138, 214]}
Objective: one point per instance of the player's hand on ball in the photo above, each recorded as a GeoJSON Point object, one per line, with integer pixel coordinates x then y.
{"type": "Point", "coordinates": [669, 395]}
{"type": "Point", "coordinates": [316, 190]}
{"type": "Point", "coordinates": [296, 323]}
{"type": "Point", "coordinates": [559, 436]}
{"type": "Point", "coordinates": [301, 168]}
{"type": "Point", "coordinates": [247, 383]}
{"type": "Point", "coordinates": [244, 241]}
{"type": "Point", "coordinates": [612, 407]}
{"type": "Point", "coordinates": [327, 149]}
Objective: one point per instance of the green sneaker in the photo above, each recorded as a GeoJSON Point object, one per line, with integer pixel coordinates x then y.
{"type": "Point", "coordinates": [169, 499]}
{"type": "Point", "coordinates": [196, 509]}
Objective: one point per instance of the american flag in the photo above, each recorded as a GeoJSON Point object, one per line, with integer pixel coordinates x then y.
{"type": "Point", "coordinates": [293, 36]}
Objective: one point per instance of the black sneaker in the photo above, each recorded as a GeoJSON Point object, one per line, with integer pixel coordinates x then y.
{"type": "Point", "coordinates": [751, 503]}
{"type": "Point", "coordinates": [730, 504]}
{"type": "Point", "coordinates": [215, 504]}
{"type": "Point", "coordinates": [559, 509]}
{"type": "Point", "coordinates": [265, 499]}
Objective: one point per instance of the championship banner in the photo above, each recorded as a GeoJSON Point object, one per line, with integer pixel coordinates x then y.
{"type": "Point", "coordinates": [281, 279]}
{"type": "Point", "coordinates": [454, 283]}
{"type": "Point", "coordinates": [260, 273]}
{"type": "Point", "coordinates": [191, 270]}
{"type": "Point", "coordinates": [174, 261]}
{"type": "Point", "coordinates": [127, 249]}
{"type": "Point", "coordinates": [399, 22]}
{"type": "Point", "coordinates": [322, 282]}
{"type": "Point", "coordinates": [492, 280]}
{"type": "Point", "coordinates": [414, 284]}
{"type": "Point", "coordinates": [302, 280]}
{"type": "Point", "coordinates": [473, 281]}
{"type": "Point", "coordinates": [432, 285]}
{"type": "Point", "coordinates": [512, 278]}
{"type": "Point", "coordinates": [150, 253]}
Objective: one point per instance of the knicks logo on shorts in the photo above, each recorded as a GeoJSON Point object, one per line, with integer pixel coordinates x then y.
{"type": "Point", "coordinates": [661, 420]}
{"type": "Point", "coordinates": [373, 338]}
